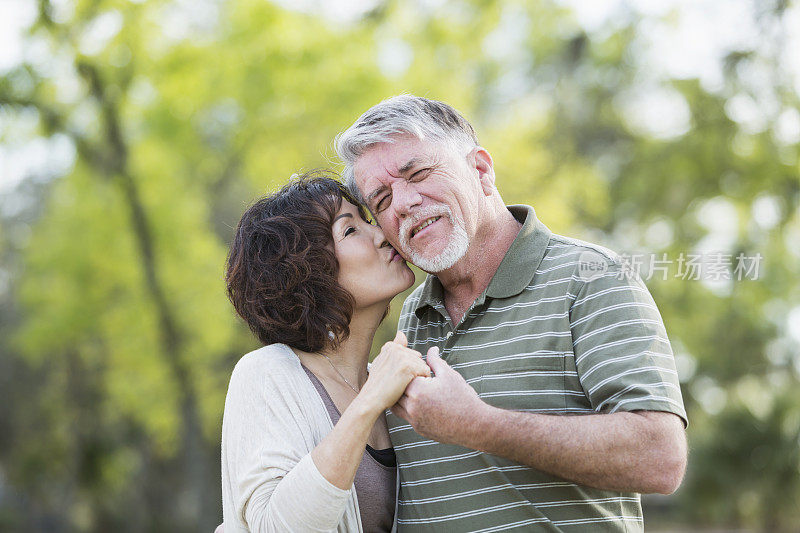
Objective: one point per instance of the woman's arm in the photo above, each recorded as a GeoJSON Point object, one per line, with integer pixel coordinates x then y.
{"type": "Point", "coordinates": [338, 455]}
{"type": "Point", "coordinates": [276, 488]}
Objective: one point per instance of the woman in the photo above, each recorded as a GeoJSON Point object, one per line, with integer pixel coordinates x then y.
{"type": "Point", "coordinates": [304, 419]}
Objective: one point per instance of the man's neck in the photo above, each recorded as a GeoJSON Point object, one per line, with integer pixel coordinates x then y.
{"type": "Point", "coordinates": [468, 278]}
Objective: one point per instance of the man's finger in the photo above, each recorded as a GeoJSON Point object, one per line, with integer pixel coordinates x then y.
{"type": "Point", "coordinates": [400, 338]}
{"type": "Point", "coordinates": [436, 363]}
{"type": "Point", "coordinates": [433, 350]}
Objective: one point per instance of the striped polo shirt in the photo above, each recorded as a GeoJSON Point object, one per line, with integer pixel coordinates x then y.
{"type": "Point", "coordinates": [562, 329]}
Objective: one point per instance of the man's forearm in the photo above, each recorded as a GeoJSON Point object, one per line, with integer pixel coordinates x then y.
{"type": "Point", "coordinates": [642, 451]}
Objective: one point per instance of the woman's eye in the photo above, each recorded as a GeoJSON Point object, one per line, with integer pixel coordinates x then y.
{"type": "Point", "coordinates": [349, 230]}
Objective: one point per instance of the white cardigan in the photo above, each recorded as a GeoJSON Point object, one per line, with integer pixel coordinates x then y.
{"type": "Point", "coordinates": [273, 418]}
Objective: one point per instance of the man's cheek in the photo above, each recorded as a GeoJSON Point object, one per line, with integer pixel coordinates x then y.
{"type": "Point", "coordinates": [392, 235]}
{"type": "Point", "coordinates": [389, 224]}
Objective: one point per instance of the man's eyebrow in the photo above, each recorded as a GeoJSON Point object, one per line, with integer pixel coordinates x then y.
{"type": "Point", "coordinates": [374, 193]}
{"type": "Point", "coordinates": [342, 216]}
{"type": "Point", "coordinates": [409, 165]}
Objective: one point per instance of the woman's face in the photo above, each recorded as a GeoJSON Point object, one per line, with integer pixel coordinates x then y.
{"type": "Point", "coordinates": [369, 268]}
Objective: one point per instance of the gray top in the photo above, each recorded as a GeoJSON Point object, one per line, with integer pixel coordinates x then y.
{"type": "Point", "coordinates": [375, 483]}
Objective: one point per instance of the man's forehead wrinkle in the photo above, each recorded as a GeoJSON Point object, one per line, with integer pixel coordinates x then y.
{"type": "Point", "coordinates": [389, 171]}
{"type": "Point", "coordinates": [381, 185]}
{"type": "Point", "coordinates": [436, 159]}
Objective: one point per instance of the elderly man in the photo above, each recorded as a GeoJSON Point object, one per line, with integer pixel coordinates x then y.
{"type": "Point", "coordinates": [555, 400]}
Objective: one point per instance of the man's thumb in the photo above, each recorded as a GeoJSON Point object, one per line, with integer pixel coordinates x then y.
{"type": "Point", "coordinates": [400, 338]}
{"type": "Point", "coordinates": [435, 361]}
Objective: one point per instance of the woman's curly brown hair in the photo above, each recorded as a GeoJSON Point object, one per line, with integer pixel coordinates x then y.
{"type": "Point", "coordinates": [282, 272]}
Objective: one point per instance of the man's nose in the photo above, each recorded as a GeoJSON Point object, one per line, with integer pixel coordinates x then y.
{"type": "Point", "coordinates": [379, 238]}
{"type": "Point", "coordinates": [404, 198]}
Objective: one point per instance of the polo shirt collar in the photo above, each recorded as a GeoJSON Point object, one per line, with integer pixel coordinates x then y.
{"type": "Point", "coordinates": [523, 257]}
{"type": "Point", "coordinates": [515, 271]}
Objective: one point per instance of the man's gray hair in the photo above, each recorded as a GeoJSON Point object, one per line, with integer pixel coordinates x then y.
{"type": "Point", "coordinates": [403, 114]}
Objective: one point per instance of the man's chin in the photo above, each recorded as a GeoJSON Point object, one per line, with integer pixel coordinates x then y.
{"type": "Point", "coordinates": [425, 256]}
{"type": "Point", "coordinates": [438, 262]}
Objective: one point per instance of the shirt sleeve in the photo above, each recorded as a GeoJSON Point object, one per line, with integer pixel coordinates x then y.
{"type": "Point", "coordinates": [622, 353]}
{"type": "Point", "coordinates": [276, 485]}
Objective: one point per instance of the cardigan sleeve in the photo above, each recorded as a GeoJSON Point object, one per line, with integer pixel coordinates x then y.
{"type": "Point", "coordinates": [266, 447]}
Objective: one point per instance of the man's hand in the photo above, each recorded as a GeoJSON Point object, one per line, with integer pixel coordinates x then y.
{"type": "Point", "coordinates": [442, 408]}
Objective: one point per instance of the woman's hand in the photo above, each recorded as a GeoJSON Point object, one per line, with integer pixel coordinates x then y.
{"type": "Point", "coordinates": [338, 455]}
{"type": "Point", "coordinates": [392, 371]}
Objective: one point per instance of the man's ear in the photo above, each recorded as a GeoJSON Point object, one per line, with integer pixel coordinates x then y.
{"type": "Point", "coordinates": [485, 167]}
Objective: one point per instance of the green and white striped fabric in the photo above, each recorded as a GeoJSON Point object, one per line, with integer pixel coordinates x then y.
{"type": "Point", "coordinates": [562, 329]}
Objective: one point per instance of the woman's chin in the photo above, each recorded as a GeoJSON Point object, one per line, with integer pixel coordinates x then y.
{"type": "Point", "coordinates": [410, 276]}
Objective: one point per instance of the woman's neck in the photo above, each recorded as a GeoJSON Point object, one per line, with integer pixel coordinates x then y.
{"type": "Point", "coordinates": [350, 358]}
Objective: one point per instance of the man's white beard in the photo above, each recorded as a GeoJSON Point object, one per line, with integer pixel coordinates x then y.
{"type": "Point", "coordinates": [452, 252]}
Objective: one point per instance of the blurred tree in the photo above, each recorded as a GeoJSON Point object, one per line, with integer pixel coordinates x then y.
{"type": "Point", "coordinates": [126, 316]}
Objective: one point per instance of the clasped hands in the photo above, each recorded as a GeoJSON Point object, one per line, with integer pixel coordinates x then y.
{"type": "Point", "coordinates": [442, 407]}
